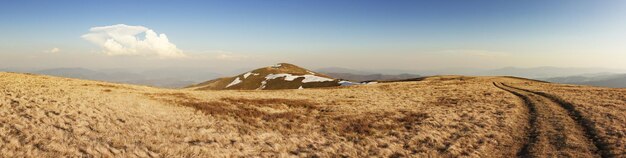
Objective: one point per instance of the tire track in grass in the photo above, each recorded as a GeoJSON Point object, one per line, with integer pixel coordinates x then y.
{"type": "Point", "coordinates": [588, 126]}
{"type": "Point", "coordinates": [531, 134]}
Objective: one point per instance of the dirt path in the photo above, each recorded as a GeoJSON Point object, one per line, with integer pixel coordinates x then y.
{"type": "Point", "coordinates": [554, 129]}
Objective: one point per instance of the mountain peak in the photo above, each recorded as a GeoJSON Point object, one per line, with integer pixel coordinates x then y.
{"type": "Point", "coordinates": [278, 76]}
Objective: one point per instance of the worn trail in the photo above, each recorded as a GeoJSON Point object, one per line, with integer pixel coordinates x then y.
{"type": "Point", "coordinates": [554, 129]}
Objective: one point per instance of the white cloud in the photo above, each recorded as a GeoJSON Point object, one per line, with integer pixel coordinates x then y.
{"type": "Point", "coordinates": [219, 55]}
{"type": "Point", "coordinates": [123, 39]}
{"type": "Point", "coordinates": [53, 50]}
{"type": "Point", "coordinates": [230, 56]}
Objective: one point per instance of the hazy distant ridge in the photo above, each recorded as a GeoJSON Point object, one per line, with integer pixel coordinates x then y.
{"type": "Point", "coordinates": [611, 80]}
{"type": "Point", "coordinates": [163, 77]}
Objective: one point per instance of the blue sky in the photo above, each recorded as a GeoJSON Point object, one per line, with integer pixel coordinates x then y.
{"type": "Point", "coordinates": [490, 33]}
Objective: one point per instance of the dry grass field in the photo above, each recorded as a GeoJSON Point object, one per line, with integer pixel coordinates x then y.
{"type": "Point", "coordinates": [601, 111]}
{"type": "Point", "coordinates": [445, 116]}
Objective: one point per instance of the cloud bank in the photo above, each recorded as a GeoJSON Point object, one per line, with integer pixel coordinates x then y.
{"type": "Point", "coordinates": [53, 50]}
{"type": "Point", "coordinates": [228, 56]}
{"type": "Point", "coordinates": [128, 40]}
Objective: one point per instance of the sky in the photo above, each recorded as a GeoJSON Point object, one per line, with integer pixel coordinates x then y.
{"type": "Point", "coordinates": [363, 34]}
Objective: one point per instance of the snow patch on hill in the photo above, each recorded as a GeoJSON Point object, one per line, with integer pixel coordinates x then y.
{"type": "Point", "coordinates": [313, 78]}
{"type": "Point", "coordinates": [262, 84]}
{"type": "Point", "coordinates": [236, 81]}
{"type": "Point", "coordinates": [277, 66]}
{"type": "Point", "coordinates": [248, 74]}
{"type": "Point", "coordinates": [290, 77]}
{"type": "Point", "coordinates": [349, 83]}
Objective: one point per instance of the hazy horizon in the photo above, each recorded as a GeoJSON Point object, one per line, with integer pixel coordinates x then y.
{"type": "Point", "coordinates": [363, 35]}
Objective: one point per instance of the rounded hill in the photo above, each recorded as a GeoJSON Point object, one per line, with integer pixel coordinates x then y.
{"type": "Point", "coordinates": [278, 76]}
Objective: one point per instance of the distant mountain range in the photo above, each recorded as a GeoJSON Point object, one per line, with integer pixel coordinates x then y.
{"type": "Point", "coordinates": [584, 76]}
{"type": "Point", "coordinates": [360, 76]}
{"type": "Point", "coordinates": [181, 77]}
{"type": "Point", "coordinates": [163, 77]}
{"type": "Point", "coordinates": [534, 73]}
{"type": "Point", "coordinates": [546, 72]}
{"type": "Point", "coordinates": [343, 70]}
{"type": "Point", "coordinates": [370, 77]}
{"type": "Point", "coordinates": [604, 80]}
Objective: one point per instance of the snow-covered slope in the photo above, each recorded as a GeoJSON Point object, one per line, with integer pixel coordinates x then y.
{"type": "Point", "coordinates": [279, 76]}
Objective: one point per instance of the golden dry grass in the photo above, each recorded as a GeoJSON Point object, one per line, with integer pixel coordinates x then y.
{"type": "Point", "coordinates": [602, 109]}
{"type": "Point", "coordinates": [447, 116]}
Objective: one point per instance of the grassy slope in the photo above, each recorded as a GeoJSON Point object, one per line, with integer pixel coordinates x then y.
{"type": "Point", "coordinates": [441, 116]}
